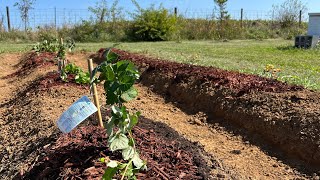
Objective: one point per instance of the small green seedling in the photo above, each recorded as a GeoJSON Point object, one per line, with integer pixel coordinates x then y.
{"type": "Point", "coordinates": [80, 76]}
{"type": "Point", "coordinates": [118, 78]}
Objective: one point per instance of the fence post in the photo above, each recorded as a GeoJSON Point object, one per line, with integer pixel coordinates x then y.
{"type": "Point", "coordinates": [8, 19]}
{"type": "Point", "coordinates": [300, 18]}
{"type": "Point", "coordinates": [176, 11]}
{"type": "Point", "coordinates": [241, 18]}
{"type": "Point", "coordinates": [55, 17]}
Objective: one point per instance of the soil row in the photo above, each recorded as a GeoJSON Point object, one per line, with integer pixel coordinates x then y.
{"type": "Point", "coordinates": [287, 116]}
{"type": "Point", "coordinates": [39, 151]}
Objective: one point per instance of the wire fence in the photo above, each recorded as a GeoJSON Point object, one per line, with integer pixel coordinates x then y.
{"type": "Point", "coordinates": [55, 17]}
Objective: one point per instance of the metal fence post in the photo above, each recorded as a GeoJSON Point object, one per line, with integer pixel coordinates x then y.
{"type": "Point", "coordinates": [300, 18]}
{"type": "Point", "coordinates": [8, 19]}
{"type": "Point", "coordinates": [241, 18]}
{"type": "Point", "coordinates": [55, 17]}
{"type": "Point", "coordinates": [176, 11]}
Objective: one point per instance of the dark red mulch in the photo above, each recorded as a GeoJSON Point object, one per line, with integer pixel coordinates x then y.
{"type": "Point", "coordinates": [33, 60]}
{"type": "Point", "coordinates": [238, 82]}
{"type": "Point", "coordinates": [76, 155]}
{"type": "Point", "coordinates": [53, 79]}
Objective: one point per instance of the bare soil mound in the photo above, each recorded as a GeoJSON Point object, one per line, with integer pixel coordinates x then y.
{"type": "Point", "coordinates": [33, 60]}
{"type": "Point", "coordinates": [287, 116]}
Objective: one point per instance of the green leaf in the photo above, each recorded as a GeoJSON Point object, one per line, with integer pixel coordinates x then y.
{"type": "Point", "coordinates": [133, 120]}
{"type": "Point", "coordinates": [112, 164]}
{"type": "Point", "coordinates": [109, 173]}
{"type": "Point", "coordinates": [128, 153]}
{"type": "Point", "coordinates": [112, 57]}
{"type": "Point", "coordinates": [110, 73]}
{"type": "Point", "coordinates": [110, 125]}
{"type": "Point", "coordinates": [116, 110]}
{"type": "Point", "coordinates": [138, 163]}
{"type": "Point", "coordinates": [112, 98]}
{"type": "Point", "coordinates": [122, 65]}
{"type": "Point", "coordinates": [103, 160]}
{"type": "Point", "coordinates": [77, 77]}
{"type": "Point", "coordinates": [129, 94]}
{"type": "Point", "coordinates": [119, 142]}
{"type": "Point", "coordinates": [122, 166]}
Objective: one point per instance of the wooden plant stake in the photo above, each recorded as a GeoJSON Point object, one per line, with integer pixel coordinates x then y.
{"type": "Point", "coordinates": [93, 90]}
{"type": "Point", "coordinates": [61, 41]}
{"type": "Point", "coordinates": [59, 66]}
{"type": "Point", "coordinates": [61, 62]}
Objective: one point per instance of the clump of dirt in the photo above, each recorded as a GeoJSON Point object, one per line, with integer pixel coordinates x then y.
{"type": "Point", "coordinates": [199, 119]}
{"type": "Point", "coordinates": [76, 155]}
{"type": "Point", "coordinates": [285, 115]}
{"type": "Point", "coordinates": [33, 60]}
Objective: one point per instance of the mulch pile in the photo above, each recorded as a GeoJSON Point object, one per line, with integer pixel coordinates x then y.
{"type": "Point", "coordinates": [76, 155]}
{"type": "Point", "coordinates": [33, 60]}
{"type": "Point", "coordinates": [240, 83]}
{"type": "Point", "coordinates": [53, 79]}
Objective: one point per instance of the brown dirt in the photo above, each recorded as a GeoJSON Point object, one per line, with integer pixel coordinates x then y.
{"type": "Point", "coordinates": [286, 116]}
{"type": "Point", "coordinates": [29, 135]}
{"type": "Point", "coordinates": [30, 61]}
{"type": "Point", "coordinates": [242, 153]}
{"type": "Point", "coordinates": [28, 126]}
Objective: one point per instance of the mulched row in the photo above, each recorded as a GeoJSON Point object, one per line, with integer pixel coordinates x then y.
{"type": "Point", "coordinates": [53, 79]}
{"type": "Point", "coordinates": [33, 60]}
{"type": "Point", "coordinates": [76, 155]}
{"type": "Point", "coordinates": [239, 83]}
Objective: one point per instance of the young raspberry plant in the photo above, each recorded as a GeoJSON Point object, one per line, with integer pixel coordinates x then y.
{"type": "Point", "coordinates": [118, 78]}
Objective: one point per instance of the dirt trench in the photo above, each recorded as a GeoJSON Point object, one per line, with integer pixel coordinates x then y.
{"type": "Point", "coordinates": [286, 116]}
{"type": "Point", "coordinates": [29, 135]}
{"type": "Point", "coordinates": [239, 154]}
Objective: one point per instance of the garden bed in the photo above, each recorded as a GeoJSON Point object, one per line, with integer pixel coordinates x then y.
{"type": "Point", "coordinates": [40, 151]}
{"type": "Point", "coordinates": [76, 155]}
{"type": "Point", "coordinates": [285, 115]}
{"type": "Point", "coordinates": [30, 61]}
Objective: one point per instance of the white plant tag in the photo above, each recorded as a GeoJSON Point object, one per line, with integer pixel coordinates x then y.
{"type": "Point", "coordinates": [77, 112]}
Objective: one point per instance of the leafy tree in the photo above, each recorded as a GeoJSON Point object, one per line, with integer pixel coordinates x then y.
{"type": "Point", "coordinates": [136, 4]}
{"type": "Point", "coordinates": [103, 13]}
{"type": "Point", "coordinates": [221, 5]}
{"type": "Point", "coordinates": [100, 10]}
{"type": "Point", "coordinates": [24, 7]}
{"type": "Point", "coordinates": [288, 12]}
{"type": "Point", "coordinates": [223, 15]}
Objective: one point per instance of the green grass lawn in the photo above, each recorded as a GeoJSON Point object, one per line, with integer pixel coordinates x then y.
{"type": "Point", "coordinates": [297, 66]}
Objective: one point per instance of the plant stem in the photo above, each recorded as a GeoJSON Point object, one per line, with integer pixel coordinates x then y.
{"type": "Point", "coordinates": [125, 171]}
{"type": "Point", "coordinates": [134, 147]}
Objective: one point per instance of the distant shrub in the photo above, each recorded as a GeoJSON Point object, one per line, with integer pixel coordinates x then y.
{"type": "Point", "coordinates": [15, 36]}
{"type": "Point", "coordinates": [89, 31]}
{"type": "Point", "coordinates": [47, 33]}
{"type": "Point", "coordinates": [287, 13]}
{"type": "Point", "coordinates": [152, 25]}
